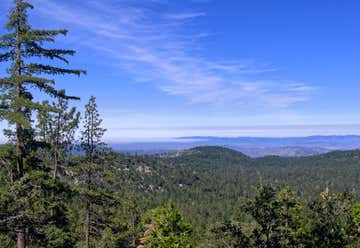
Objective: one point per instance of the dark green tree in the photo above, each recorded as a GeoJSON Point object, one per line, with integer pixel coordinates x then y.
{"type": "Point", "coordinates": [166, 228]}
{"type": "Point", "coordinates": [356, 229]}
{"type": "Point", "coordinates": [57, 130]}
{"type": "Point", "coordinates": [92, 145]}
{"type": "Point", "coordinates": [22, 47]}
{"type": "Point", "coordinates": [7, 168]}
{"type": "Point", "coordinates": [7, 162]}
{"type": "Point", "coordinates": [291, 215]}
{"type": "Point", "coordinates": [92, 133]}
{"type": "Point", "coordinates": [331, 222]}
{"type": "Point", "coordinates": [278, 217]}
{"type": "Point", "coordinates": [229, 234]}
{"type": "Point", "coordinates": [264, 211]}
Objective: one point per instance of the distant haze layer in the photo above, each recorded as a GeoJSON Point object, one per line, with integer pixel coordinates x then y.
{"type": "Point", "coordinates": [252, 146]}
{"type": "Point", "coordinates": [169, 133]}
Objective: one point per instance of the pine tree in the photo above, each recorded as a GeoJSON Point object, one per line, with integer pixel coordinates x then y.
{"type": "Point", "coordinates": [57, 130]}
{"type": "Point", "coordinates": [291, 219]}
{"type": "Point", "coordinates": [264, 210]}
{"type": "Point", "coordinates": [331, 222]}
{"type": "Point", "coordinates": [21, 45]}
{"type": "Point", "coordinates": [7, 158]}
{"type": "Point", "coordinates": [229, 234]}
{"type": "Point", "coordinates": [92, 146]}
{"type": "Point", "coordinates": [166, 228]}
{"type": "Point", "coordinates": [92, 132]}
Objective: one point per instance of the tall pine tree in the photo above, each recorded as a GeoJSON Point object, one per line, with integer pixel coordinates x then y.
{"type": "Point", "coordinates": [92, 145]}
{"type": "Point", "coordinates": [22, 46]}
{"type": "Point", "coordinates": [57, 130]}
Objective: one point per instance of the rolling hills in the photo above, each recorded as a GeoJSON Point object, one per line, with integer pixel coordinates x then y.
{"type": "Point", "coordinates": [251, 146]}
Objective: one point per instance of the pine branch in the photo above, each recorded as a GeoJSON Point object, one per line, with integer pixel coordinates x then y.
{"type": "Point", "coordinates": [24, 79]}
{"type": "Point", "coordinates": [15, 118]}
{"type": "Point", "coordinates": [25, 102]}
{"type": "Point", "coordinates": [7, 40]}
{"type": "Point", "coordinates": [39, 32]}
{"type": "Point", "coordinates": [47, 69]}
{"type": "Point", "coordinates": [42, 35]}
{"type": "Point", "coordinates": [25, 5]}
{"type": "Point", "coordinates": [6, 82]}
{"type": "Point", "coordinates": [7, 37]}
{"type": "Point", "coordinates": [62, 95]}
{"type": "Point", "coordinates": [35, 50]}
{"type": "Point", "coordinates": [6, 56]}
{"type": "Point", "coordinates": [47, 89]}
{"type": "Point", "coordinates": [27, 37]}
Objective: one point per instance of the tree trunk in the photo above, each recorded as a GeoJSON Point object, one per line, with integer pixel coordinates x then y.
{"type": "Point", "coordinates": [20, 234]}
{"type": "Point", "coordinates": [90, 141]}
{"type": "Point", "coordinates": [19, 140]}
{"type": "Point", "coordinates": [55, 163]}
{"type": "Point", "coordinates": [52, 211]}
{"type": "Point", "coordinates": [57, 144]}
{"type": "Point", "coordinates": [20, 150]}
{"type": "Point", "coordinates": [87, 224]}
{"type": "Point", "coordinates": [268, 237]}
{"type": "Point", "coordinates": [133, 238]}
{"type": "Point", "coordinates": [88, 212]}
{"type": "Point", "coordinates": [20, 229]}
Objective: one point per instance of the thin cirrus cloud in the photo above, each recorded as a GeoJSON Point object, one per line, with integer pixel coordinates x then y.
{"type": "Point", "coordinates": [156, 48]}
{"type": "Point", "coordinates": [184, 16]}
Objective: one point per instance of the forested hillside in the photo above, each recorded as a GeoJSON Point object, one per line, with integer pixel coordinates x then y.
{"type": "Point", "coordinates": [211, 184]}
{"type": "Point", "coordinates": [61, 186]}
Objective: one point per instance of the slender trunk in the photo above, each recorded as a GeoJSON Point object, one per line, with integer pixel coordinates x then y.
{"type": "Point", "coordinates": [19, 143]}
{"type": "Point", "coordinates": [52, 211]}
{"type": "Point", "coordinates": [57, 143]}
{"type": "Point", "coordinates": [56, 159]}
{"type": "Point", "coordinates": [88, 215]}
{"type": "Point", "coordinates": [268, 237]}
{"type": "Point", "coordinates": [90, 140]}
{"type": "Point", "coordinates": [133, 240]}
{"type": "Point", "coordinates": [20, 229]}
{"type": "Point", "coordinates": [20, 233]}
{"type": "Point", "coordinates": [20, 150]}
{"type": "Point", "coordinates": [87, 225]}
{"type": "Point", "coordinates": [92, 135]}
{"type": "Point", "coordinates": [55, 162]}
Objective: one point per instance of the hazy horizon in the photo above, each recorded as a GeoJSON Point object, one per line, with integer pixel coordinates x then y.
{"type": "Point", "coordinates": [170, 134]}
{"type": "Point", "coordinates": [173, 133]}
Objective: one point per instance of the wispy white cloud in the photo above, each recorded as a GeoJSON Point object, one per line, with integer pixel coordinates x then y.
{"type": "Point", "coordinates": [156, 48]}
{"type": "Point", "coordinates": [184, 16]}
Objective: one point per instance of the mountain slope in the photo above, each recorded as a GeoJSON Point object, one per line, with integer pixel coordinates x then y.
{"type": "Point", "coordinates": [210, 183]}
{"type": "Point", "coordinates": [209, 156]}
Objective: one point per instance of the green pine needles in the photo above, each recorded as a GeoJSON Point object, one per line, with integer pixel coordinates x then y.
{"type": "Point", "coordinates": [22, 47]}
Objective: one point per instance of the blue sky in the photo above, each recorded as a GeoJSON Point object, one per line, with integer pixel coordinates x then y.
{"type": "Point", "coordinates": [167, 68]}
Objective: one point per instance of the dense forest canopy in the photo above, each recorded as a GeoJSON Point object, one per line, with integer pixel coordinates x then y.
{"type": "Point", "coordinates": [62, 186]}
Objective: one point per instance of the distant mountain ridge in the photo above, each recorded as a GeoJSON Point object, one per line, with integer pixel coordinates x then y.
{"type": "Point", "coordinates": [251, 146]}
